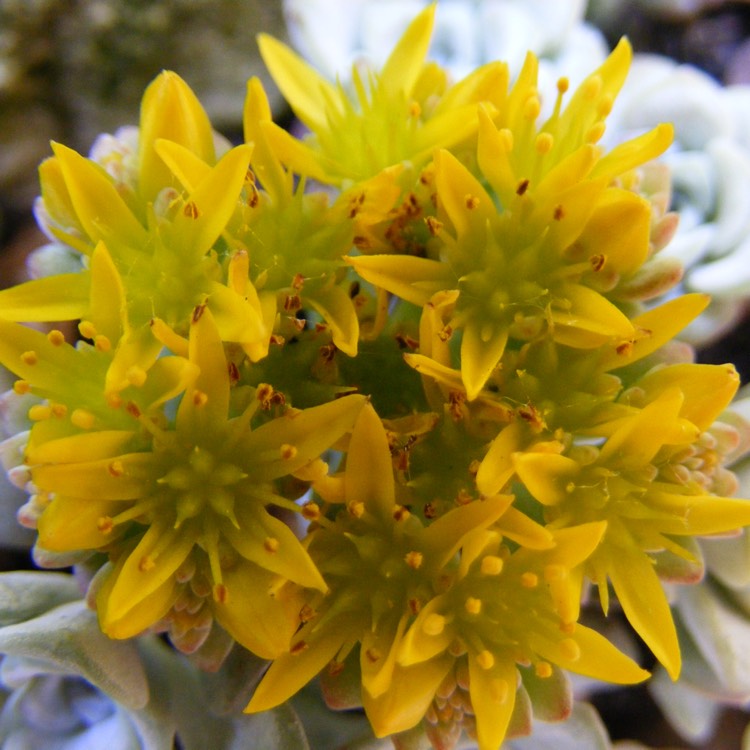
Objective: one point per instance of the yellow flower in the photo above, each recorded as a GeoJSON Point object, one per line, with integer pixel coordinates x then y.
{"type": "Point", "coordinates": [381, 565]}
{"type": "Point", "coordinates": [171, 500]}
{"type": "Point", "coordinates": [503, 610]}
{"type": "Point", "coordinates": [399, 114]}
{"type": "Point", "coordinates": [634, 480]}
{"type": "Point", "coordinates": [161, 239]}
{"type": "Point", "coordinates": [537, 252]}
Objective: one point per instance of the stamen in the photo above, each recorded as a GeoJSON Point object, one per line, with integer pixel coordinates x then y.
{"type": "Point", "coordinates": [136, 376]}
{"type": "Point", "coordinates": [491, 565]}
{"type": "Point", "coordinates": [298, 648]}
{"type": "Point", "coordinates": [56, 338]}
{"type": "Point", "coordinates": [414, 559]}
{"type": "Point", "coordinates": [570, 649]}
{"type": "Point", "coordinates": [102, 343]}
{"type": "Point", "coordinates": [401, 513]}
{"type": "Point", "coordinates": [311, 511]}
{"type": "Point", "coordinates": [434, 624]}
{"type": "Point", "coordinates": [356, 509]}
{"type": "Point", "coordinates": [271, 544]}
{"type": "Point", "coordinates": [105, 524]}
{"type": "Point", "coordinates": [191, 210]}
{"type": "Point", "coordinates": [529, 580]}
{"type": "Point", "coordinates": [523, 186]}
{"type": "Point", "coordinates": [473, 605]}
{"type": "Point", "coordinates": [87, 329]}
{"type": "Point", "coordinates": [221, 593]}
{"type": "Point", "coordinates": [30, 358]}
{"type": "Point", "coordinates": [373, 655]}
{"type": "Point", "coordinates": [543, 669]}
{"type": "Point", "coordinates": [83, 419]}
{"type": "Point", "coordinates": [471, 201]}
{"type": "Point", "coordinates": [21, 387]}
{"type": "Point", "coordinates": [59, 410]}
{"type": "Point", "coordinates": [485, 659]}
{"type": "Point", "coordinates": [287, 451]}
{"type": "Point", "coordinates": [199, 398]}
{"type": "Point", "coordinates": [433, 225]}
{"type": "Point", "coordinates": [40, 412]}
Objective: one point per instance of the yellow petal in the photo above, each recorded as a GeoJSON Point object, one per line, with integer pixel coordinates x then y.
{"type": "Point", "coordinates": [337, 309]}
{"type": "Point", "coordinates": [184, 164]}
{"type": "Point", "coordinates": [635, 152]}
{"type": "Point", "coordinates": [493, 696]}
{"type": "Point", "coordinates": [480, 354]}
{"type": "Point", "coordinates": [93, 445]}
{"type": "Point", "coordinates": [699, 514]}
{"type": "Point", "coordinates": [61, 297]}
{"type": "Point", "coordinates": [107, 309]}
{"type": "Point", "coordinates": [383, 644]}
{"type": "Point", "coordinates": [72, 524]}
{"type": "Point", "coordinates": [138, 348]}
{"type": "Point", "coordinates": [170, 110]}
{"type": "Point", "coordinates": [421, 644]}
{"type": "Point", "coordinates": [547, 476]}
{"type": "Point", "coordinates": [497, 467]}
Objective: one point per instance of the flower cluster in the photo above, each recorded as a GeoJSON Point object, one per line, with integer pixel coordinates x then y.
{"type": "Point", "coordinates": [382, 403]}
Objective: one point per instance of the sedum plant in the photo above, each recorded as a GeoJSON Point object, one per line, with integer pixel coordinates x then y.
{"type": "Point", "coordinates": [383, 405]}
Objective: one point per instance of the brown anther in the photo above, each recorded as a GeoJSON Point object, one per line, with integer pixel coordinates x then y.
{"type": "Point", "coordinates": [445, 333]}
{"type": "Point", "coordinates": [56, 338]}
{"type": "Point", "coordinates": [471, 201]}
{"type": "Point", "coordinates": [415, 605]}
{"type": "Point", "coordinates": [116, 468]}
{"type": "Point", "coordinates": [287, 451]}
{"type": "Point", "coordinates": [292, 302]}
{"type": "Point", "coordinates": [198, 312]}
{"type": "Point", "coordinates": [361, 242]}
{"type": "Point", "coordinates": [463, 497]}
{"type": "Point", "coordinates": [220, 593]}
{"type": "Point", "coordinates": [328, 353]}
{"type": "Point", "coordinates": [405, 341]}
{"type": "Point", "coordinates": [199, 398]}
{"type": "Point", "coordinates": [474, 467]}
{"type": "Point", "coordinates": [277, 340]}
{"type": "Point", "coordinates": [356, 509]}
{"type": "Point", "coordinates": [59, 410]}
{"type": "Point", "coordinates": [414, 559]}
{"type": "Point", "coordinates": [306, 614]}
{"type": "Point", "coordinates": [298, 281]}
{"type": "Point", "coordinates": [373, 654]}
{"type": "Point", "coordinates": [298, 648]}
{"type": "Point", "coordinates": [456, 402]}
{"type": "Point", "coordinates": [532, 416]}
{"type": "Point", "coordinates": [234, 373]}
{"type": "Point", "coordinates": [523, 186]}
{"type": "Point", "coordinates": [271, 544]}
{"type": "Point", "coordinates": [598, 261]}
{"type": "Point", "coordinates": [29, 358]}
{"type": "Point", "coordinates": [133, 409]}
{"type": "Point", "coordinates": [191, 210]}
{"type": "Point", "coordinates": [320, 327]}
{"type": "Point", "coordinates": [105, 525]}
{"type": "Point", "coordinates": [401, 513]}
{"type": "Point", "coordinates": [559, 213]}
{"type": "Point", "coordinates": [253, 196]}
{"type": "Point", "coordinates": [625, 349]}
{"type": "Point", "coordinates": [433, 225]}
{"type": "Point", "coordinates": [335, 668]}
{"type": "Point", "coordinates": [146, 563]}
{"type": "Point", "coordinates": [429, 511]}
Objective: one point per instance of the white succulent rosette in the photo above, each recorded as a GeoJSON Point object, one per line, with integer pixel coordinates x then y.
{"type": "Point", "coordinates": [710, 166]}
{"type": "Point", "coordinates": [335, 34]}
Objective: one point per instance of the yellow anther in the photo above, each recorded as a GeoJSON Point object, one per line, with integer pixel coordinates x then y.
{"type": "Point", "coordinates": [543, 669]}
{"type": "Point", "coordinates": [570, 649]}
{"type": "Point", "coordinates": [491, 565]}
{"type": "Point", "coordinates": [55, 337]}
{"type": "Point", "coordinates": [532, 108]}
{"type": "Point", "coordinates": [105, 525]}
{"type": "Point", "coordinates": [146, 563]}
{"type": "Point", "coordinates": [434, 624]}
{"type": "Point", "coordinates": [414, 559]}
{"type": "Point", "coordinates": [506, 139]}
{"type": "Point", "coordinates": [114, 401]}
{"type": "Point", "coordinates": [568, 627]}
{"type": "Point", "coordinates": [58, 410]}
{"type": "Point", "coordinates": [40, 412]}
{"type": "Point", "coordinates": [102, 343]}
{"type": "Point", "coordinates": [136, 376]}
{"type": "Point", "coordinates": [414, 109]}
{"type": "Point", "coordinates": [471, 201]}
{"type": "Point", "coordinates": [287, 451]}
{"type": "Point", "coordinates": [199, 398]}
{"type": "Point", "coordinates": [544, 143]}
{"type": "Point", "coordinates": [591, 87]}
{"type": "Point", "coordinates": [116, 468]}
{"type": "Point", "coordinates": [311, 511]}
{"type": "Point", "coordinates": [563, 84]}
{"type": "Point", "coordinates": [271, 544]}
{"type": "Point", "coordinates": [433, 225]}
{"type": "Point", "coordinates": [357, 508]}
{"type": "Point", "coordinates": [29, 358]}
{"type": "Point", "coordinates": [400, 513]}
{"type": "Point", "coordinates": [499, 691]}
{"type": "Point", "coordinates": [87, 329]}
{"type": "Point", "coordinates": [83, 419]}
{"type": "Point", "coordinates": [473, 605]}
{"type": "Point", "coordinates": [306, 613]}
{"type": "Point", "coordinates": [529, 580]}
{"type": "Point", "coordinates": [21, 387]}
{"type": "Point", "coordinates": [605, 105]}
{"type": "Point", "coordinates": [596, 131]}
{"type": "Point", "coordinates": [191, 210]}
{"type": "Point", "coordinates": [485, 659]}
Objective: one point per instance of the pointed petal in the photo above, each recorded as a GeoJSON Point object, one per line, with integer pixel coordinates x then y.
{"type": "Point", "coordinates": [310, 431]}
{"type": "Point", "coordinates": [92, 445]}
{"type": "Point", "coordinates": [421, 644]}
{"type": "Point", "coordinates": [71, 524]}
{"type": "Point", "coordinates": [100, 208]}
{"type": "Point", "coordinates": [493, 696]}
{"type": "Point", "coordinates": [170, 110]}
{"type": "Point", "coordinates": [521, 529]}
{"type": "Point", "coordinates": [546, 475]}
{"type": "Point", "coordinates": [253, 614]}
{"type": "Point", "coordinates": [336, 308]}
{"type": "Point", "coordinates": [292, 671]}
{"type": "Point", "coordinates": [236, 319]}
{"type": "Point", "coordinates": [290, 559]}
{"type": "Point", "coordinates": [480, 353]}
{"type": "Point", "coordinates": [107, 309]}
{"type": "Point", "coordinates": [406, 702]}
{"type": "Point", "coordinates": [184, 164]}
{"type": "Point", "coordinates": [61, 297]}
{"type": "Point", "coordinates": [635, 152]}
{"type": "Point", "coordinates": [212, 203]}
{"type": "Point", "coordinates": [301, 85]}
{"type": "Point", "coordinates": [404, 65]}
{"type": "Point", "coordinates": [699, 514]}
{"type": "Point", "coordinates": [300, 158]}
{"type": "Point", "coordinates": [136, 350]}
{"type": "Point", "coordinates": [411, 278]}
{"type": "Point", "coordinates": [497, 467]}
{"type": "Point", "coordinates": [377, 674]}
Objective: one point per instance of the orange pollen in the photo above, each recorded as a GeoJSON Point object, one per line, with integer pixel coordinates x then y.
{"type": "Point", "coordinates": [133, 409]}
{"type": "Point", "coordinates": [56, 338]}
{"type": "Point", "coordinates": [221, 593]}
{"type": "Point", "coordinates": [287, 451]}
{"type": "Point", "coordinates": [523, 186]}
{"type": "Point", "coordinates": [298, 648]}
{"type": "Point", "coordinates": [357, 508]}
{"type": "Point", "coordinates": [433, 225]}
{"type": "Point", "coordinates": [116, 468]}
{"type": "Point", "coordinates": [29, 358]}
{"type": "Point", "coordinates": [199, 398]}
{"type": "Point", "coordinates": [58, 410]}
{"type": "Point", "coordinates": [415, 605]}
{"type": "Point", "coordinates": [114, 401]}
{"type": "Point", "coordinates": [414, 559]}
{"type": "Point", "coordinates": [373, 655]}
{"type": "Point", "coordinates": [471, 201]}
{"type": "Point", "coordinates": [105, 525]}
{"type": "Point", "coordinates": [311, 511]}
{"type": "Point", "coordinates": [191, 210]}
{"type": "Point", "coordinates": [543, 669]}
{"type": "Point", "coordinates": [306, 613]}
{"type": "Point", "coordinates": [87, 329]}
